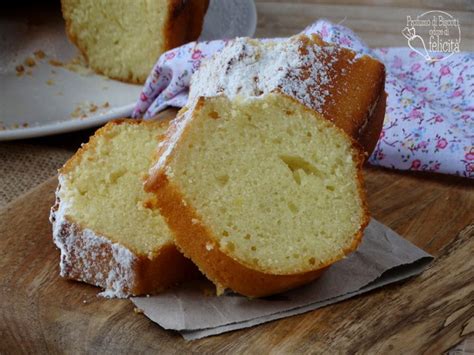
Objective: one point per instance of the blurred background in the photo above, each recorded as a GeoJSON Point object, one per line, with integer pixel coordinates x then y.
{"type": "Point", "coordinates": [26, 163]}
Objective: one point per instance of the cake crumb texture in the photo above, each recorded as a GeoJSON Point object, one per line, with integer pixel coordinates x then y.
{"type": "Point", "coordinates": [123, 39]}
{"type": "Point", "coordinates": [106, 235]}
{"type": "Point", "coordinates": [344, 88]}
{"type": "Point", "coordinates": [276, 188]}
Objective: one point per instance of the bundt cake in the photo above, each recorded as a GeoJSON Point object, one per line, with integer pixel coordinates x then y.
{"type": "Point", "coordinates": [123, 39]}
{"type": "Point", "coordinates": [346, 89]}
{"type": "Point", "coordinates": [106, 235]}
{"type": "Point", "coordinates": [262, 193]}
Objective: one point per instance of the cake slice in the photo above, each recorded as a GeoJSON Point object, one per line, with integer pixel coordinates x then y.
{"type": "Point", "coordinates": [106, 235]}
{"type": "Point", "coordinates": [261, 193]}
{"type": "Point", "coordinates": [123, 39]}
{"type": "Point", "coordinates": [344, 88]}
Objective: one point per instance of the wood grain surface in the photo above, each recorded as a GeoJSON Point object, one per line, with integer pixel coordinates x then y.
{"type": "Point", "coordinates": [378, 23]}
{"type": "Point", "coordinates": [42, 313]}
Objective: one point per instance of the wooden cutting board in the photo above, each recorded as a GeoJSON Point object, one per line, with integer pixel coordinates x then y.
{"type": "Point", "coordinates": [42, 313]}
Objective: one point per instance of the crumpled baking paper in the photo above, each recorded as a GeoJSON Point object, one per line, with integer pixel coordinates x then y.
{"type": "Point", "coordinates": [382, 258]}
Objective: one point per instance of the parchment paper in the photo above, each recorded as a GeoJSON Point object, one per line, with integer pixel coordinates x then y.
{"type": "Point", "coordinates": [382, 258]}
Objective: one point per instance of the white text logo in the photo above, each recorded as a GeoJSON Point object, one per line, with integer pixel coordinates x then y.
{"type": "Point", "coordinates": [435, 35]}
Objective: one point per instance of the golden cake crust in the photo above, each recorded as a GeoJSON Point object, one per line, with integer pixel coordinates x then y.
{"type": "Point", "coordinates": [92, 257]}
{"type": "Point", "coordinates": [183, 24]}
{"type": "Point", "coordinates": [196, 241]}
{"type": "Point", "coordinates": [358, 98]}
{"type": "Point", "coordinates": [185, 21]}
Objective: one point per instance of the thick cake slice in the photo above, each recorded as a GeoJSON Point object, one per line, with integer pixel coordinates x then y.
{"type": "Point", "coordinates": [262, 193]}
{"type": "Point", "coordinates": [346, 89]}
{"type": "Point", "coordinates": [107, 237]}
{"type": "Point", "coordinates": [124, 38]}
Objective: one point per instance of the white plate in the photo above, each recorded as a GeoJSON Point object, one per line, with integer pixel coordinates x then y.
{"type": "Point", "coordinates": [48, 99]}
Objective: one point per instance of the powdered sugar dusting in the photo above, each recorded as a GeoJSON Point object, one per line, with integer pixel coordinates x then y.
{"type": "Point", "coordinates": [178, 125]}
{"type": "Point", "coordinates": [297, 67]}
{"type": "Point", "coordinates": [88, 257]}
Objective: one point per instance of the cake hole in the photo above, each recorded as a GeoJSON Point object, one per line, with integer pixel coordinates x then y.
{"type": "Point", "coordinates": [225, 233]}
{"type": "Point", "coordinates": [296, 163]}
{"type": "Point", "coordinates": [230, 246]}
{"type": "Point", "coordinates": [293, 208]}
{"type": "Point", "coordinates": [110, 135]}
{"type": "Point", "coordinates": [289, 112]}
{"type": "Point", "coordinates": [214, 115]}
{"type": "Point", "coordinates": [238, 202]}
{"type": "Point", "coordinates": [309, 135]}
{"type": "Point", "coordinates": [330, 188]}
{"type": "Point", "coordinates": [250, 123]}
{"type": "Point", "coordinates": [312, 261]}
{"type": "Point", "coordinates": [115, 175]}
{"type": "Point", "coordinates": [297, 177]}
{"type": "Point", "coordinates": [253, 248]}
{"type": "Point", "coordinates": [248, 236]}
{"type": "Point", "coordinates": [223, 180]}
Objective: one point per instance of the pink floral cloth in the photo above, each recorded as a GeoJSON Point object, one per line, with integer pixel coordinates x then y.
{"type": "Point", "coordinates": [429, 121]}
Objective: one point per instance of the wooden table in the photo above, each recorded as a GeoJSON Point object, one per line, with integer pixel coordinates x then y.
{"type": "Point", "coordinates": [39, 312]}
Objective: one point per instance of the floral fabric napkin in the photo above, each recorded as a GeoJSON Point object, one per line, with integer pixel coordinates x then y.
{"type": "Point", "coordinates": [429, 121]}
